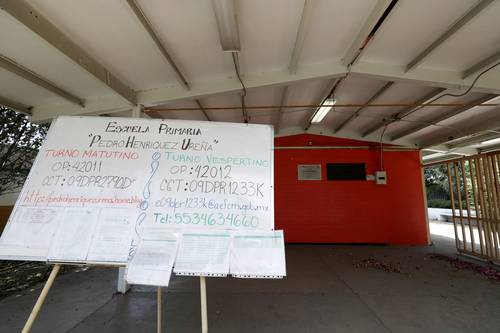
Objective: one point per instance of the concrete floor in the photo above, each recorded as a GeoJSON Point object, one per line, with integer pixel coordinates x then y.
{"type": "Point", "coordinates": [323, 292]}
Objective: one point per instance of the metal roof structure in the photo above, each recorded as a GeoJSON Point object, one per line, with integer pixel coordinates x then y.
{"type": "Point", "coordinates": [382, 59]}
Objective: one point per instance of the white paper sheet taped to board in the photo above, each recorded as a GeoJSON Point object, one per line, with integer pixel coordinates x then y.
{"type": "Point", "coordinates": [30, 237]}
{"type": "Point", "coordinates": [112, 236]}
{"type": "Point", "coordinates": [173, 174]}
{"type": "Point", "coordinates": [71, 242]}
{"type": "Point", "coordinates": [152, 262]}
{"type": "Point", "coordinates": [204, 253]}
{"type": "Point", "coordinates": [258, 254]}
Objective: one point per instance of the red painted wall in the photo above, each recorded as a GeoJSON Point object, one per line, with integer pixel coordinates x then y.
{"type": "Point", "coordinates": [348, 211]}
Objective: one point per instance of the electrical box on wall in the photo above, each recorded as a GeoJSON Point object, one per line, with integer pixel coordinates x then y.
{"type": "Point", "coordinates": [381, 178]}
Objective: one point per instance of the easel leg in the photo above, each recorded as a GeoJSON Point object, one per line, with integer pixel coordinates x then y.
{"type": "Point", "coordinates": [203, 297]}
{"type": "Point", "coordinates": [158, 314]}
{"type": "Point", "coordinates": [41, 299]}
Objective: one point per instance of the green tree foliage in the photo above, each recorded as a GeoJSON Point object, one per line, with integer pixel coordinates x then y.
{"type": "Point", "coordinates": [20, 140]}
{"type": "Point", "coordinates": [436, 176]}
{"type": "Point", "coordinates": [436, 186]}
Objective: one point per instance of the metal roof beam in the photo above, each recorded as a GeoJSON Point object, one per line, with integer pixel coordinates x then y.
{"type": "Point", "coordinates": [17, 106]}
{"type": "Point", "coordinates": [327, 70]}
{"type": "Point", "coordinates": [489, 123]}
{"type": "Point", "coordinates": [25, 73]}
{"type": "Point", "coordinates": [321, 129]}
{"type": "Point", "coordinates": [475, 139]}
{"type": "Point", "coordinates": [168, 94]}
{"type": "Point", "coordinates": [40, 25]}
{"type": "Point", "coordinates": [482, 64]}
{"type": "Point", "coordinates": [363, 36]}
{"type": "Point", "coordinates": [443, 117]}
{"type": "Point", "coordinates": [403, 113]}
{"type": "Point", "coordinates": [301, 35]}
{"type": "Point", "coordinates": [154, 36]}
{"type": "Point", "coordinates": [443, 149]}
{"type": "Point", "coordinates": [489, 84]}
{"type": "Point", "coordinates": [489, 149]}
{"type": "Point", "coordinates": [363, 108]}
{"type": "Point", "coordinates": [448, 33]}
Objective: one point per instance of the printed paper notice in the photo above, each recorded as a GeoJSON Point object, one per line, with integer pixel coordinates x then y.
{"type": "Point", "coordinates": [258, 255]}
{"type": "Point", "coordinates": [29, 233]}
{"type": "Point", "coordinates": [112, 237]}
{"type": "Point", "coordinates": [73, 236]}
{"type": "Point", "coordinates": [152, 262]}
{"type": "Point", "coordinates": [204, 254]}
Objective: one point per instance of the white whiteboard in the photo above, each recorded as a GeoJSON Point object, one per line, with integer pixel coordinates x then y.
{"type": "Point", "coordinates": [164, 174]}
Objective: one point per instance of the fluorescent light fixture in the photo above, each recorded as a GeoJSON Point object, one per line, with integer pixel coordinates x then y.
{"type": "Point", "coordinates": [225, 14]}
{"type": "Point", "coordinates": [490, 142]}
{"type": "Point", "coordinates": [323, 110]}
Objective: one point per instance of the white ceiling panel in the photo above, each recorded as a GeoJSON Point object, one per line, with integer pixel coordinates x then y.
{"type": "Point", "coordinates": [189, 30]}
{"type": "Point", "coordinates": [399, 93]}
{"type": "Point", "coordinates": [334, 26]}
{"type": "Point", "coordinates": [224, 100]}
{"type": "Point", "coordinates": [27, 49]}
{"type": "Point", "coordinates": [426, 115]}
{"type": "Point", "coordinates": [431, 112]}
{"type": "Point", "coordinates": [305, 93]}
{"type": "Point", "coordinates": [185, 114]}
{"type": "Point", "coordinates": [20, 90]}
{"type": "Point", "coordinates": [263, 97]}
{"type": "Point", "coordinates": [412, 27]}
{"type": "Point", "coordinates": [473, 113]}
{"type": "Point", "coordinates": [432, 131]}
{"type": "Point", "coordinates": [267, 31]}
{"type": "Point", "coordinates": [476, 41]}
{"type": "Point", "coordinates": [353, 90]}
{"type": "Point", "coordinates": [111, 33]}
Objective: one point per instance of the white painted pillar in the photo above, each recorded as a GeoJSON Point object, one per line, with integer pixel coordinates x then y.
{"type": "Point", "coordinates": [135, 112]}
{"type": "Point", "coordinates": [122, 285]}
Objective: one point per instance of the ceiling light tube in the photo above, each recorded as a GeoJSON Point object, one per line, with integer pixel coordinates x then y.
{"type": "Point", "coordinates": [225, 14]}
{"type": "Point", "coordinates": [323, 110]}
